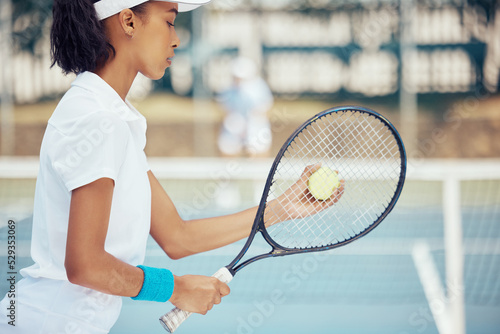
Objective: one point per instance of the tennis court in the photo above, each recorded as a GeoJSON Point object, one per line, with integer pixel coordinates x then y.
{"type": "Point", "coordinates": [370, 286]}
{"type": "Point", "coordinates": [432, 68]}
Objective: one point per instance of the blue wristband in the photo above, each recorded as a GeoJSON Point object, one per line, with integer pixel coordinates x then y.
{"type": "Point", "coordinates": [158, 284]}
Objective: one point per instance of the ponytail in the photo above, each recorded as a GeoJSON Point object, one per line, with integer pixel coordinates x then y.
{"type": "Point", "coordinates": [77, 38]}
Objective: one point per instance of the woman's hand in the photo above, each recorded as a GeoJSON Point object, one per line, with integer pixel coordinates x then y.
{"type": "Point", "coordinates": [198, 294]}
{"type": "Point", "coordinates": [298, 202]}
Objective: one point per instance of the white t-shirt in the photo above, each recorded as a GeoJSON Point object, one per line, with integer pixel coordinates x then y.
{"type": "Point", "coordinates": [92, 134]}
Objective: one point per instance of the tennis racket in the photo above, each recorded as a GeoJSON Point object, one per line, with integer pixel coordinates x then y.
{"type": "Point", "coordinates": [369, 155]}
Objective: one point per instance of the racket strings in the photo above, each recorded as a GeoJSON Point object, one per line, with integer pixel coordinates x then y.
{"type": "Point", "coordinates": [313, 140]}
{"type": "Point", "coordinates": [366, 154]}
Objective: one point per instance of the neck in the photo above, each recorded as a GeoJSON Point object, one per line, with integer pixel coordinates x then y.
{"type": "Point", "coordinates": [118, 76]}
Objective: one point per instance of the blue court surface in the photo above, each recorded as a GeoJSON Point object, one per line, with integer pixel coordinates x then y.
{"type": "Point", "coordinates": [369, 286]}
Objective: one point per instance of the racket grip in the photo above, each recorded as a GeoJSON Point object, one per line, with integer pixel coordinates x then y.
{"type": "Point", "coordinates": [176, 316]}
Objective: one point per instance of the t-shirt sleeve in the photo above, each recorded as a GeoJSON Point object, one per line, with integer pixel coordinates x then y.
{"type": "Point", "coordinates": [94, 148]}
{"type": "Point", "coordinates": [148, 168]}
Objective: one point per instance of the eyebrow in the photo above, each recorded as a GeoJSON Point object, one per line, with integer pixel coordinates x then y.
{"type": "Point", "coordinates": [174, 10]}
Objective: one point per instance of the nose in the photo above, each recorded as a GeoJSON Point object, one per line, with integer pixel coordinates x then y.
{"type": "Point", "coordinates": [175, 40]}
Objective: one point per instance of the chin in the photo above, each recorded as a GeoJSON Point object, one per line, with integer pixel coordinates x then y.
{"type": "Point", "coordinates": [158, 77]}
{"type": "Point", "coordinates": [154, 76]}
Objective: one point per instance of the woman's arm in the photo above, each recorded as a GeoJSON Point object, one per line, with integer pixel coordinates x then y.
{"type": "Point", "coordinates": [88, 264]}
{"type": "Point", "coordinates": [181, 238]}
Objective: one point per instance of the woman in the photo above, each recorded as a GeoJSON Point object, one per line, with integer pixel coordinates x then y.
{"type": "Point", "coordinates": [96, 199]}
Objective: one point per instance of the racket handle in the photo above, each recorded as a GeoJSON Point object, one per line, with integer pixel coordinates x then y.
{"type": "Point", "coordinates": [176, 317]}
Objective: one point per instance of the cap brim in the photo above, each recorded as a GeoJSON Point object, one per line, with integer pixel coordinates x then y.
{"type": "Point", "coordinates": [107, 8]}
{"type": "Point", "coordinates": [188, 5]}
{"type": "Point", "coordinates": [186, 8]}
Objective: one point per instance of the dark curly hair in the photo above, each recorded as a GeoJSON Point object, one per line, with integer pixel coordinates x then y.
{"type": "Point", "coordinates": [78, 41]}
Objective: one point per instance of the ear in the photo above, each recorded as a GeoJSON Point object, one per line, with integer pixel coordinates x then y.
{"type": "Point", "coordinates": [128, 21]}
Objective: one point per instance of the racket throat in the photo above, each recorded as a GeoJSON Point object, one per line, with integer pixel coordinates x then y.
{"type": "Point", "coordinates": [278, 252]}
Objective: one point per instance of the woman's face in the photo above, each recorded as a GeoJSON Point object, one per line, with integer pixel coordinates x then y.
{"type": "Point", "coordinates": [155, 40]}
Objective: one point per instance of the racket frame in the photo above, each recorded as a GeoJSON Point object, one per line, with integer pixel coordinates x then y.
{"type": "Point", "coordinates": [259, 226]}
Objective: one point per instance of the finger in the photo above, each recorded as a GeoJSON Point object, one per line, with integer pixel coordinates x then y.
{"type": "Point", "coordinates": [217, 299]}
{"type": "Point", "coordinates": [299, 187]}
{"type": "Point", "coordinates": [304, 177]}
{"type": "Point", "coordinates": [224, 289]}
{"type": "Point", "coordinates": [338, 192]}
{"type": "Point", "coordinates": [309, 170]}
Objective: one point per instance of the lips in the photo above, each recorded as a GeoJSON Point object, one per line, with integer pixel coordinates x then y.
{"type": "Point", "coordinates": [169, 60]}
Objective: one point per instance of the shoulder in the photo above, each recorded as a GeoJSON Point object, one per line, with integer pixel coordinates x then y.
{"type": "Point", "coordinates": [84, 139]}
{"type": "Point", "coordinates": [82, 110]}
{"type": "Point", "coordinates": [82, 125]}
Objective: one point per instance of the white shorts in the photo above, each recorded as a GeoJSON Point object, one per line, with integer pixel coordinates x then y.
{"type": "Point", "coordinates": [46, 306]}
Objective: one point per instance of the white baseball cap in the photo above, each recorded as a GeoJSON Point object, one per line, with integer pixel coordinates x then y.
{"type": "Point", "coordinates": [107, 8]}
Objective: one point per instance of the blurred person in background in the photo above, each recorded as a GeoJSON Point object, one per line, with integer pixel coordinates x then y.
{"type": "Point", "coordinates": [246, 127]}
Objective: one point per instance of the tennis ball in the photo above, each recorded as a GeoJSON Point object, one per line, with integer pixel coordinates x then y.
{"type": "Point", "coordinates": [322, 183]}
